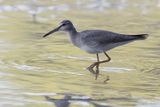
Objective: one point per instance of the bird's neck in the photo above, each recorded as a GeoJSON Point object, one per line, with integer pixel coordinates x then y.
{"type": "Point", "coordinates": [72, 32]}
{"type": "Point", "coordinates": [73, 35]}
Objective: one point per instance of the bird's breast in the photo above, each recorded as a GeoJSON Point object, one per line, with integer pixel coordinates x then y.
{"type": "Point", "coordinates": [75, 41]}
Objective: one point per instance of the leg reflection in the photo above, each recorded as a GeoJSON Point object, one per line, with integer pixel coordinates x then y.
{"type": "Point", "coordinates": [69, 99]}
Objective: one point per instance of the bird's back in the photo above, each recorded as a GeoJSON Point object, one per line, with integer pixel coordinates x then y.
{"type": "Point", "coordinates": [101, 40]}
{"type": "Point", "coordinates": [109, 37]}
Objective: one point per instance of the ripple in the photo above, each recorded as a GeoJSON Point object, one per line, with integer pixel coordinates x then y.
{"type": "Point", "coordinates": [116, 69]}
{"type": "Point", "coordinates": [63, 72]}
{"type": "Point", "coordinates": [33, 9]}
{"type": "Point", "coordinates": [3, 30]}
{"type": "Point", "coordinates": [148, 103]}
{"type": "Point", "coordinates": [95, 5]}
{"type": "Point", "coordinates": [4, 85]}
{"type": "Point", "coordinates": [2, 65]}
{"type": "Point", "coordinates": [81, 103]}
{"type": "Point", "coordinates": [2, 74]}
{"type": "Point", "coordinates": [25, 67]}
{"type": "Point", "coordinates": [19, 101]}
{"type": "Point", "coordinates": [80, 58]}
{"type": "Point", "coordinates": [99, 5]}
{"type": "Point", "coordinates": [5, 46]}
{"type": "Point", "coordinates": [4, 102]}
{"type": "Point", "coordinates": [82, 97]}
{"type": "Point", "coordinates": [155, 71]}
{"type": "Point", "coordinates": [38, 94]}
{"type": "Point", "coordinates": [63, 7]}
{"type": "Point", "coordinates": [10, 97]}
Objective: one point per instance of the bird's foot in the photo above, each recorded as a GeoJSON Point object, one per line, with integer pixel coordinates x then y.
{"type": "Point", "coordinates": [91, 70]}
{"type": "Point", "coordinates": [91, 67]}
{"type": "Point", "coordinates": [107, 79]}
{"type": "Point", "coordinates": [97, 72]}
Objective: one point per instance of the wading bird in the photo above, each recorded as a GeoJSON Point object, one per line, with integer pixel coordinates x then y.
{"type": "Point", "coordinates": [95, 41]}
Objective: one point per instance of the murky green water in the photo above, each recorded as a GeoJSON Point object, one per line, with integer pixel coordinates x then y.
{"type": "Point", "coordinates": [50, 72]}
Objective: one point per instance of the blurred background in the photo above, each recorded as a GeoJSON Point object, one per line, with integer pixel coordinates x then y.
{"type": "Point", "coordinates": [50, 72]}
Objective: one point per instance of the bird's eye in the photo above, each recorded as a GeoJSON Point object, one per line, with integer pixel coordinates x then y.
{"type": "Point", "coordinates": [63, 24]}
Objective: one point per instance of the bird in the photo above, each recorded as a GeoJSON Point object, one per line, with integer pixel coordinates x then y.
{"type": "Point", "coordinates": [95, 41]}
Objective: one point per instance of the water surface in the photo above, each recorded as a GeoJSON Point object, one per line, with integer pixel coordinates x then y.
{"type": "Point", "coordinates": [51, 72]}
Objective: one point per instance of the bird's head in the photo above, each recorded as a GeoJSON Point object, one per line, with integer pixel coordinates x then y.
{"type": "Point", "coordinates": [65, 25]}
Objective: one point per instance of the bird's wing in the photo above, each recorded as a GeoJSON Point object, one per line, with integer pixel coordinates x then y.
{"type": "Point", "coordinates": [100, 37]}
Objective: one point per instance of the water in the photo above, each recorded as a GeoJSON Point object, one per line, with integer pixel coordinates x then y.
{"type": "Point", "coordinates": [51, 72]}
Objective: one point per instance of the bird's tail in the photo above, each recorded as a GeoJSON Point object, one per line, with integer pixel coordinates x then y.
{"type": "Point", "coordinates": [140, 36]}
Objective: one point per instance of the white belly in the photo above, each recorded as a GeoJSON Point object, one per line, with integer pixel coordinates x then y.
{"type": "Point", "coordinates": [90, 49]}
{"type": "Point", "coordinates": [100, 49]}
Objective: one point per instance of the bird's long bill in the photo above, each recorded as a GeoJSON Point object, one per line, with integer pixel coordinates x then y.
{"type": "Point", "coordinates": [52, 31]}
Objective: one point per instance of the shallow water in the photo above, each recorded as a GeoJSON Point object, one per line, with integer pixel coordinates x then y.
{"type": "Point", "coordinates": [50, 72]}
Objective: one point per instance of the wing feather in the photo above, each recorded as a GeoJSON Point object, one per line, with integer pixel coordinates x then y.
{"type": "Point", "coordinates": [100, 37]}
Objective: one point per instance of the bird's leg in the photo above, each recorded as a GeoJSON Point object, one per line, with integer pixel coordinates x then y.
{"type": "Point", "coordinates": [105, 60]}
{"type": "Point", "coordinates": [97, 67]}
{"type": "Point", "coordinates": [90, 68]}
{"type": "Point", "coordinates": [107, 79]}
{"type": "Point", "coordinates": [98, 63]}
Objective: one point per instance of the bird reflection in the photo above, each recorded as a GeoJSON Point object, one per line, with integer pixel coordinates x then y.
{"type": "Point", "coordinates": [68, 99]}
{"type": "Point", "coordinates": [59, 102]}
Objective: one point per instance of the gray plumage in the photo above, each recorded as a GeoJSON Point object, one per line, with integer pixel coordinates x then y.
{"type": "Point", "coordinates": [95, 41]}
